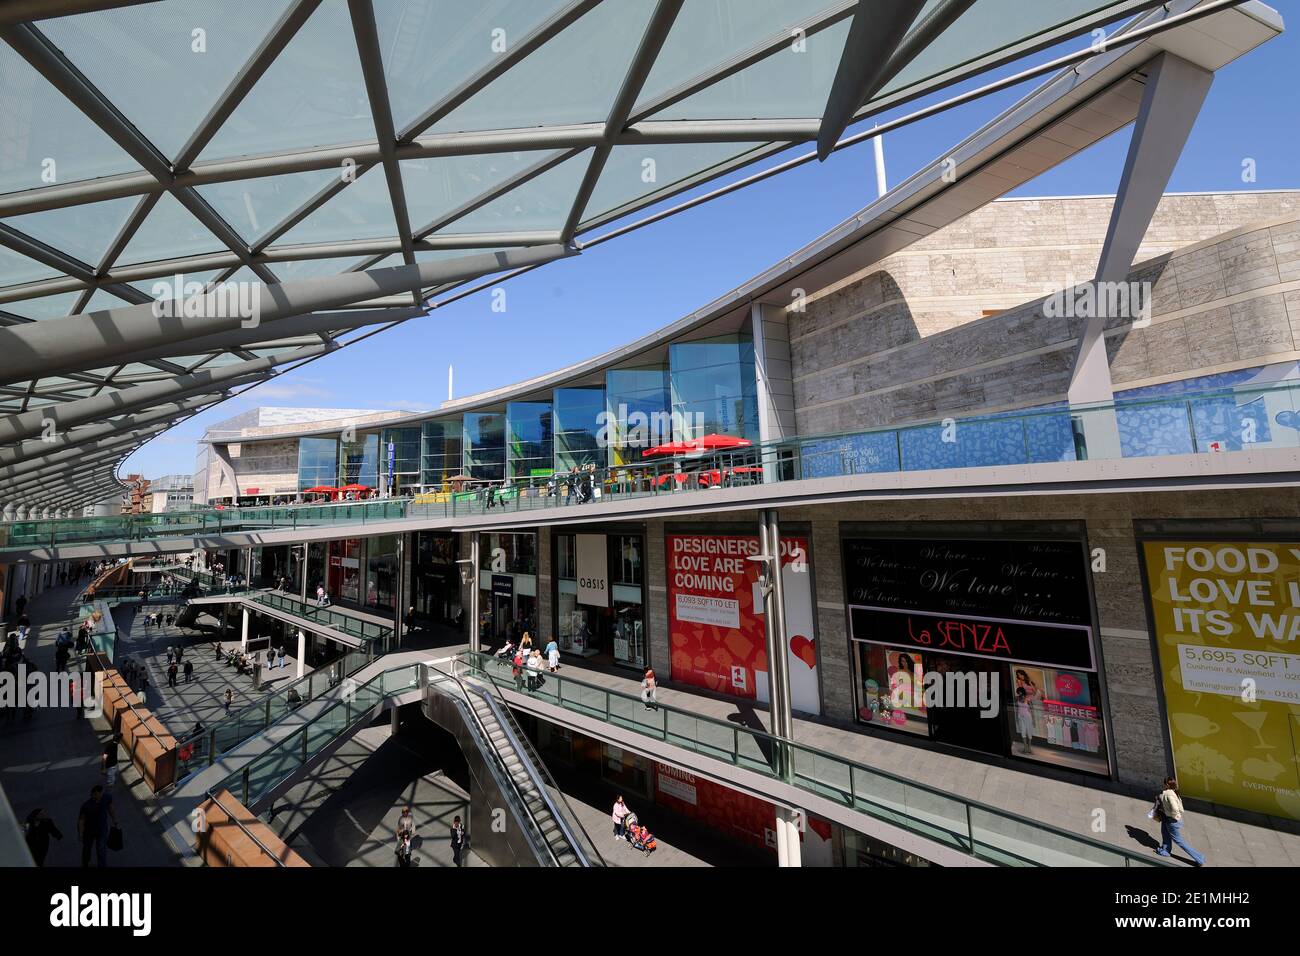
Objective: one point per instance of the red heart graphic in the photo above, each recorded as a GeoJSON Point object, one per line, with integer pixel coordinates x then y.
{"type": "Point", "coordinates": [805, 650]}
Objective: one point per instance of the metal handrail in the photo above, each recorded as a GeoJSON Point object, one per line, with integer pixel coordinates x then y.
{"type": "Point", "coordinates": [531, 765]}
{"type": "Point", "coordinates": [777, 744]}
{"type": "Point", "coordinates": [505, 494]}
{"type": "Point", "coordinates": [282, 745]}
{"type": "Point", "coordinates": [212, 795]}
{"type": "Point", "coordinates": [504, 780]}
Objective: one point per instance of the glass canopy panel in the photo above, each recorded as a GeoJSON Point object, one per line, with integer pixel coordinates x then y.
{"type": "Point", "coordinates": [44, 139]}
{"type": "Point", "coordinates": [168, 232]}
{"type": "Point", "coordinates": [468, 37]}
{"type": "Point", "coordinates": [572, 79]}
{"type": "Point", "coordinates": [256, 206]}
{"type": "Point", "coordinates": [166, 285]}
{"type": "Point", "coordinates": [312, 95]}
{"type": "Point", "coordinates": [313, 268]}
{"type": "Point", "coordinates": [46, 307]}
{"type": "Point", "coordinates": [790, 83]}
{"type": "Point", "coordinates": [83, 231]}
{"type": "Point", "coordinates": [634, 172]}
{"type": "Point", "coordinates": [103, 299]}
{"type": "Point", "coordinates": [164, 65]}
{"type": "Point", "coordinates": [16, 268]}
{"type": "Point", "coordinates": [993, 25]}
{"type": "Point", "coordinates": [436, 186]}
{"type": "Point", "coordinates": [541, 203]}
{"type": "Point", "coordinates": [708, 33]}
{"type": "Point", "coordinates": [361, 210]}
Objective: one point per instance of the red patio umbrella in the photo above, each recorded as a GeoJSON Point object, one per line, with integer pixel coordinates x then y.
{"type": "Point", "coordinates": [705, 443]}
{"type": "Point", "coordinates": [354, 488]}
{"type": "Point", "coordinates": [320, 490]}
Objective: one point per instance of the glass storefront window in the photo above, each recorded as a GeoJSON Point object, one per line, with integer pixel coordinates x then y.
{"type": "Point", "coordinates": [381, 572]}
{"type": "Point", "coordinates": [317, 559]}
{"type": "Point", "coordinates": [944, 630]}
{"type": "Point", "coordinates": [436, 578]}
{"type": "Point", "coordinates": [713, 387]}
{"type": "Point", "coordinates": [627, 559]}
{"type": "Point", "coordinates": [406, 458]}
{"type": "Point", "coordinates": [530, 449]}
{"type": "Point", "coordinates": [617, 629]}
{"type": "Point", "coordinates": [578, 414]}
{"type": "Point", "coordinates": [318, 463]}
{"type": "Point", "coordinates": [520, 551]}
{"type": "Point", "coordinates": [629, 634]}
{"type": "Point", "coordinates": [638, 412]}
{"type": "Point", "coordinates": [484, 438]}
{"type": "Point", "coordinates": [344, 576]}
{"type": "Point", "coordinates": [440, 452]}
{"type": "Point", "coordinates": [359, 461]}
{"type": "Point", "coordinates": [566, 556]}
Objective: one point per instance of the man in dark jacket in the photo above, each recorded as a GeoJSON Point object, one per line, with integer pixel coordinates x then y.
{"type": "Point", "coordinates": [39, 828]}
{"type": "Point", "coordinates": [457, 840]}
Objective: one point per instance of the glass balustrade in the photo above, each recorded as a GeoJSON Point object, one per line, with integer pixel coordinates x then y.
{"type": "Point", "coordinates": [967, 826]}
{"type": "Point", "coordinates": [1225, 420]}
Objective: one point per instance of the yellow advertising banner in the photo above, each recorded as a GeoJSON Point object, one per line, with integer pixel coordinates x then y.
{"type": "Point", "coordinates": [1227, 623]}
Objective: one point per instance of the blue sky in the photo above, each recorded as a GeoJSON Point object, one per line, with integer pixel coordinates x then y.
{"type": "Point", "coordinates": [579, 307]}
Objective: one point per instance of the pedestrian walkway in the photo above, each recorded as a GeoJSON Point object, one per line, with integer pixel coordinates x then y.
{"type": "Point", "coordinates": [346, 812]}
{"type": "Point", "coordinates": [202, 698]}
{"type": "Point", "coordinates": [1070, 806]}
{"type": "Point", "coordinates": [51, 758]}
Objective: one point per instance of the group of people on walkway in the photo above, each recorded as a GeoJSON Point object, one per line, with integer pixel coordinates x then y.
{"type": "Point", "coordinates": [98, 829]}
{"type": "Point", "coordinates": [406, 839]}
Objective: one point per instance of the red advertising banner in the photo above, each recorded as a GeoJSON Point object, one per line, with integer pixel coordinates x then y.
{"type": "Point", "coordinates": [733, 814]}
{"type": "Point", "coordinates": [716, 619]}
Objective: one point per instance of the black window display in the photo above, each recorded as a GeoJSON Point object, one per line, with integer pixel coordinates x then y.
{"type": "Point", "coordinates": [1007, 622]}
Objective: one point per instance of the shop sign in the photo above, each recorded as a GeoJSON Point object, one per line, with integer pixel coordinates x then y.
{"type": "Point", "coordinates": [503, 585]}
{"type": "Point", "coordinates": [1011, 579]}
{"type": "Point", "coordinates": [593, 570]}
{"type": "Point", "coordinates": [1226, 617]}
{"type": "Point", "coordinates": [1029, 642]}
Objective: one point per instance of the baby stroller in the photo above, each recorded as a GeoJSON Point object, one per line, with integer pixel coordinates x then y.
{"type": "Point", "coordinates": [640, 837]}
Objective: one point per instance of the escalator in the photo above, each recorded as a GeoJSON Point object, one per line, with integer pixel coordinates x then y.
{"type": "Point", "coordinates": [503, 761]}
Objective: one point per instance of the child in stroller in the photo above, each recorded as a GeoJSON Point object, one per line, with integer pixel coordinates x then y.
{"type": "Point", "coordinates": [640, 837]}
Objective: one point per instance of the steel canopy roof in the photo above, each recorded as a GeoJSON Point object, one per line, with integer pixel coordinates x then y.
{"type": "Point", "coordinates": [357, 159]}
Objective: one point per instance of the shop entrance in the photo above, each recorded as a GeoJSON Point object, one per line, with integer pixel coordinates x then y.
{"type": "Point", "coordinates": [966, 725]}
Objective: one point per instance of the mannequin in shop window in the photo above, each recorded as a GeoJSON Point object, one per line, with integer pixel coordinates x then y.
{"type": "Point", "coordinates": [1027, 694]}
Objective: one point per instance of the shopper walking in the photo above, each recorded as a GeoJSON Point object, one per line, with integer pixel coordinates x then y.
{"type": "Point", "coordinates": [553, 655]}
{"type": "Point", "coordinates": [171, 675]}
{"type": "Point", "coordinates": [618, 815]}
{"type": "Point", "coordinates": [280, 656]}
{"type": "Point", "coordinates": [37, 831]}
{"type": "Point", "coordinates": [189, 671]}
{"type": "Point", "coordinates": [108, 760]}
{"type": "Point", "coordinates": [457, 840]}
{"type": "Point", "coordinates": [229, 699]}
{"type": "Point", "coordinates": [93, 822]}
{"type": "Point", "coordinates": [270, 658]}
{"type": "Point", "coordinates": [648, 690]}
{"type": "Point", "coordinates": [1169, 811]}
